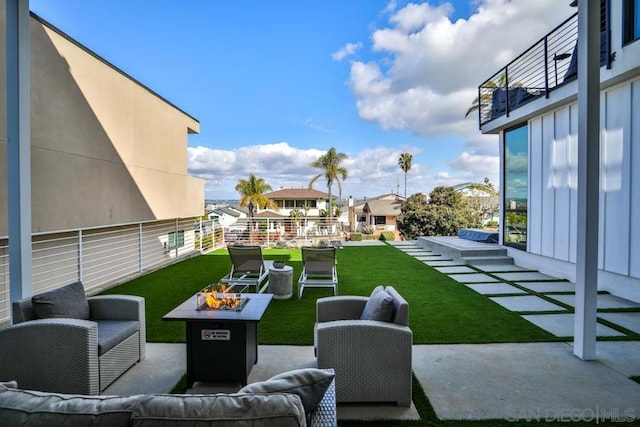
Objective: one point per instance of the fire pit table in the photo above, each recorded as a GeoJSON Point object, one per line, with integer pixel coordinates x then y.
{"type": "Point", "coordinates": [222, 344]}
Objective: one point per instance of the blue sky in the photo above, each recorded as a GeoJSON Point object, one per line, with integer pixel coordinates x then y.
{"type": "Point", "coordinates": [275, 84]}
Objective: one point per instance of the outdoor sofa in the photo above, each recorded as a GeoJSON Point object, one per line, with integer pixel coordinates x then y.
{"type": "Point", "coordinates": [304, 397]}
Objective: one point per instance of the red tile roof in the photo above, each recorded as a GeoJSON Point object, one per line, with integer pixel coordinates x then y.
{"type": "Point", "coordinates": [269, 214]}
{"type": "Point", "coordinates": [297, 194]}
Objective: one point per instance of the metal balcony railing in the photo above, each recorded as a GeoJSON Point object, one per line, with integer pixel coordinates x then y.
{"type": "Point", "coordinates": [547, 65]}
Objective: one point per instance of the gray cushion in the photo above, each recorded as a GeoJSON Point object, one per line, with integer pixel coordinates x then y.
{"type": "Point", "coordinates": [113, 332]}
{"type": "Point", "coordinates": [33, 408]}
{"type": "Point", "coordinates": [9, 384]}
{"type": "Point", "coordinates": [277, 410]}
{"type": "Point", "coordinates": [380, 306]}
{"type": "Point", "coordinates": [310, 384]}
{"type": "Point", "coordinates": [68, 302]}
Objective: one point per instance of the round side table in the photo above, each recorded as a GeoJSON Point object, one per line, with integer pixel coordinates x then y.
{"type": "Point", "coordinates": [281, 282]}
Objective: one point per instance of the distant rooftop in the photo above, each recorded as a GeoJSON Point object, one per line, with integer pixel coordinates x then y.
{"type": "Point", "coordinates": [296, 193]}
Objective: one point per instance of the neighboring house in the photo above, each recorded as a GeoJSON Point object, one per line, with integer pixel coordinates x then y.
{"type": "Point", "coordinates": [288, 199]}
{"type": "Point", "coordinates": [538, 129]}
{"type": "Point", "coordinates": [482, 201]}
{"type": "Point", "coordinates": [379, 212]}
{"type": "Point", "coordinates": [271, 221]}
{"type": "Point", "coordinates": [111, 194]}
{"type": "Point", "coordinates": [226, 215]}
{"type": "Point", "coordinates": [471, 189]}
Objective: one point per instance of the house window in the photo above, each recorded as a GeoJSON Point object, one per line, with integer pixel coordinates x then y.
{"type": "Point", "coordinates": [176, 239]}
{"type": "Point", "coordinates": [289, 204]}
{"type": "Point", "coordinates": [312, 203]}
{"type": "Point", "coordinates": [380, 220]}
{"type": "Point", "coordinates": [631, 24]}
{"type": "Point", "coordinates": [516, 186]}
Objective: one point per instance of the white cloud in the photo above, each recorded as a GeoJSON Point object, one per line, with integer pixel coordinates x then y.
{"type": "Point", "coordinates": [475, 167]}
{"type": "Point", "coordinates": [347, 50]}
{"type": "Point", "coordinates": [425, 75]}
{"type": "Point", "coordinates": [432, 66]}
{"type": "Point", "coordinates": [370, 172]}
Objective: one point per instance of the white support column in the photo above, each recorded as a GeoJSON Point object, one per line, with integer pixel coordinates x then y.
{"type": "Point", "coordinates": [18, 148]}
{"type": "Point", "coordinates": [80, 257]}
{"type": "Point", "coordinates": [588, 178]}
{"type": "Point", "coordinates": [502, 186]}
{"type": "Point", "coordinates": [140, 248]}
{"type": "Point", "coordinates": [175, 236]}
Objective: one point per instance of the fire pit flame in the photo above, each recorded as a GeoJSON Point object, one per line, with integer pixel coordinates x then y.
{"type": "Point", "coordinates": [218, 297]}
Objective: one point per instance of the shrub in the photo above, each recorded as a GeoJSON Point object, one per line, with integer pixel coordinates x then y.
{"type": "Point", "coordinates": [356, 237]}
{"type": "Point", "coordinates": [442, 215]}
{"type": "Point", "coordinates": [387, 236]}
{"type": "Point", "coordinates": [367, 229]}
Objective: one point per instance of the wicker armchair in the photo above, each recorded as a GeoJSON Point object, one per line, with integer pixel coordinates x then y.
{"type": "Point", "coordinates": [371, 359]}
{"type": "Point", "coordinates": [62, 354]}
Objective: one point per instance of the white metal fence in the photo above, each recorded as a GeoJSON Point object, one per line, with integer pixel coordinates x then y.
{"type": "Point", "coordinates": [102, 257]}
{"type": "Point", "coordinates": [281, 232]}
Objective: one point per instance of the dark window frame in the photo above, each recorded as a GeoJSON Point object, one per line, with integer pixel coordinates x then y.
{"type": "Point", "coordinates": [631, 21]}
{"type": "Point", "coordinates": [380, 220]}
{"type": "Point", "coordinates": [506, 209]}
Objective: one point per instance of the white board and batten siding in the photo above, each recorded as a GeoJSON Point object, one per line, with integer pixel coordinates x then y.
{"type": "Point", "coordinates": [553, 147]}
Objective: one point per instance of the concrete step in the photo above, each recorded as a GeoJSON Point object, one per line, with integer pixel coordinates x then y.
{"type": "Point", "coordinates": [484, 260]}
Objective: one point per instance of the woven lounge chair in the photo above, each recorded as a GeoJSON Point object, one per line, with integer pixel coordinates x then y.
{"type": "Point", "coordinates": [371, 358]}
{"type": "Point", "coordinates": [68, 353]}
{"type": "Point", "coordinates": [318, 269]}
{"type": "Point", "coordinates": [248, 268]}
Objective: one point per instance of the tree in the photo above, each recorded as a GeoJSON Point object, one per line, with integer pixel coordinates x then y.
{"type": "Point", "coordinates": [329, 163]}
{"type": "Point", "coordinates": [252, 194]}
{"type": "Point", "coordinates": [413, 216]}
{"type": "Point", "coordinates": [485, 201]}
{"type": "Point", "coordinates": [484, 100]}
{"type": "Point", "coordinates": [443, 214]}
{"type": "Point", "coordinates": [404, 161]}
{"type": "Point", "coordinates": [295, 216]}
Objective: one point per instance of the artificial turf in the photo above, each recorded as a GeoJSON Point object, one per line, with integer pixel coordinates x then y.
{"type": "Point", "coordinates": [441, 310]}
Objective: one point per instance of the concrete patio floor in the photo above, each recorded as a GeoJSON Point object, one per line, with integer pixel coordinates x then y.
{"type": "Point", "coordinates": [525, 381]}
{"type": "Point", "coordinates": [462, 381]}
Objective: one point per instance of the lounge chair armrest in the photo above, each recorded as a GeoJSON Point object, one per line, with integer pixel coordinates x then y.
{"type": "Point", "coordinates": [339, 308]}
{"type": "Point", "coordinates": [361, 334]}
{"type": "Point", "coordinates": [325, 414]}
{"type": "Point", "coordinates": [121, 307]}
{"type": "Point", "coordinates": [116, 307]}
{"type": "Point", "coordinates": [61, 355]}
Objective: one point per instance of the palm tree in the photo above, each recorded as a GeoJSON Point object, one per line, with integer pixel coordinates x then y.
{"type": "Point", "coordinates": [404, 161]}
{"type": "Point", "coordinates": [252, 195]}
{"type": "Point", "coordinates": [332, 172]}
{"type": "Point", "coordinates": [485, 99]}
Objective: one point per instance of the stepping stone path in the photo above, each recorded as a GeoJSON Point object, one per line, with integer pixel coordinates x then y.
{"type": "Point", "coordinates": [525, 291]}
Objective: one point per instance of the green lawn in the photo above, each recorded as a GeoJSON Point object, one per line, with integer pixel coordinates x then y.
{"type": "Point", "coordinates": [441, 310]}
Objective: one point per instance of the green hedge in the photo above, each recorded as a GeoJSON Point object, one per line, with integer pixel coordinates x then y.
{"type": "Point", "coordinates": [356, 237]}
{"type": "Point", "coordinates": [387, 236]}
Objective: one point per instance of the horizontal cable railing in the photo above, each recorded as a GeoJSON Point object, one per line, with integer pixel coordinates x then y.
{"type": "Point", "coordinates": [545, 66]}
{"type": "Point", "coordinates": [98, 256]}
{"type": "Point", "coordinates": [281, 232]}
